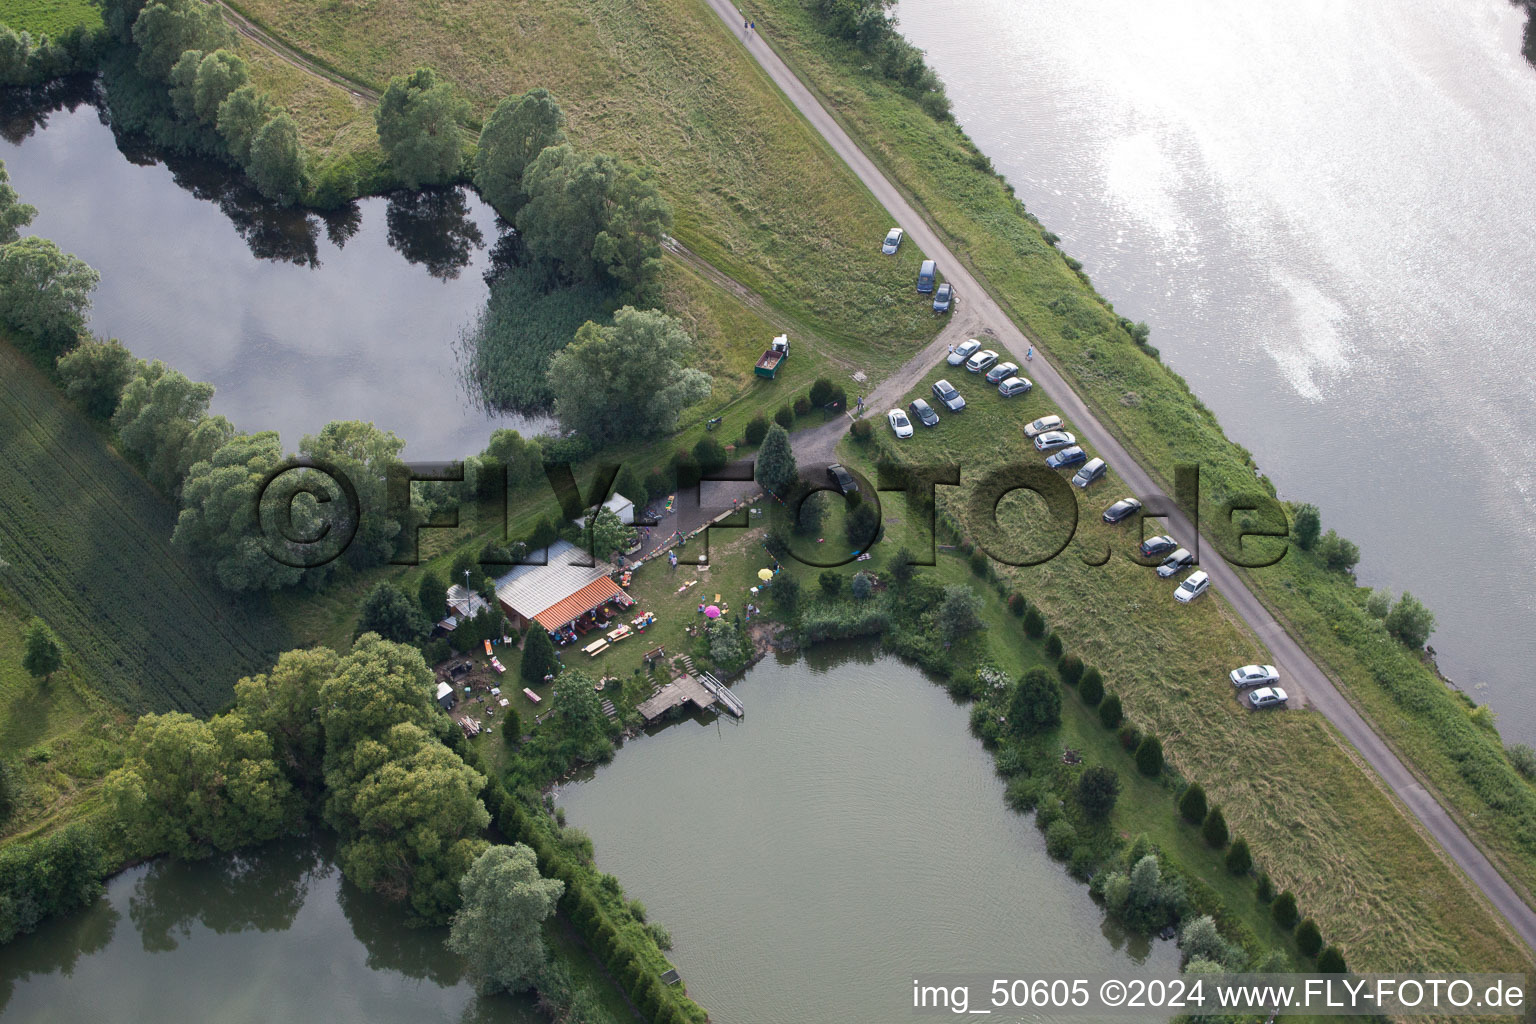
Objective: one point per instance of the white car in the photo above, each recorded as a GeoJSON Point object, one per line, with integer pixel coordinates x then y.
{"type": "Point", "coordinates": [892, 242]}
{"type": "Point", "coordinates": [1054, 439]}
{"type": "Point", "coordinates": [981, 360]}
{"type": "Point", "coordinates": [1268, 697]}
{"type": "Point", "coordinates": [964, 351]}
{"type": "Point", "coordinates": [1014, 386]}
{"type": "Point", "coordinates": [899, 423]}
{"type": "Point", "coordinates": [1176, 563]}
{"type": "Point", "coordinates": [1195, 584]}
{"type": "Point", "coordinates": [1043, 425]}
{"type": "Point", "coordinates": [1254, 675]}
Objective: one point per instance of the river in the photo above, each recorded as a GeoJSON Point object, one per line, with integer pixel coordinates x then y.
{"type": "Point", "coordinates": [847, 835]}
{"type": "Point", "coordinates": [273, 936]}
{"type": "Point", "coordinates": [296, 319]}
{"type": "Point", "coordinates": [1321, 210]}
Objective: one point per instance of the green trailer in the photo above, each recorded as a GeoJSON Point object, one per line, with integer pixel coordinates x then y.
{"type": "Point", "coordinates": [768, 365]}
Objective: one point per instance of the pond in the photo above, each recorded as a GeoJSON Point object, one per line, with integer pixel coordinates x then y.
{"type": "Point", "coordinates": [847, 835]}
{"type": "Point", "coordinates": [296, 318]}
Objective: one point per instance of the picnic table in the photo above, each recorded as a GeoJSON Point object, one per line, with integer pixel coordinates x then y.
{"type": "Point", "coordinates": [531, 695]}
{"type": "Point", "coordinates": [619, 634]}
{"type": "Point", "coordinates": [595, 648]}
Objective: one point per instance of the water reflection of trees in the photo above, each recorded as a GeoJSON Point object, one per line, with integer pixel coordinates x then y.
{"type": "Point", "coordinates": [433, 228]}
{"type": "Point", "coordinates": [391, 946]}
{"type": "Point", "coordinates": [57, 946]}
{"type": "Point", "coordinates": [257, 890]}
{"type": "Point", "coordinates": [23, 112]}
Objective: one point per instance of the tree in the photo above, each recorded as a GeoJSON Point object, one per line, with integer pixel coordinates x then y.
{"type": "Point", "coordinates": [43, 655]}
{"type": "Point", "coordinates": [785, 417]}
{"type": "Point", "coordinates": [1097, 789]}
{"type": "Point", "coordinates": [1201, 940]}
{"type": "Point", "coordinates": [1284, 910]}
{"type": "Point", "coordinates": [45, 292]}
{"type": "Point", "coordinates": [165, 29]}
{"type": "Point", "coordinates": [1338, 554]}
{"type": "Point", "coordinates": [1070, 666]}
{"type": "Point", "coordinates": [1091, 688]}
{"type": "Point", "coordinates": [378, 685]}
{"type": "Point", "coordinates": [389, 613]}
{"type": "Point", "coordinates": [431, 594]}
{"type": "Point", "coordinates": [821, 391]}
{"type": "Point", "coordinates": [1034, 622]}
{"type": "Point", "coordinates": [1306, 524]}
{"type": "Point", "coordinates": [901, 568]}
{"type": "Point", "coordinates": [777, 470]}
{"type": "Point", "coordinates": [277, 160]}
{"type": "Point", "coordinates": [119, 15]}
{"type": "Point", "coordinates": [831, 582]}
{"type": "Point", "coordinates": [1410, 622]}
{"type": "Point", "coordinates": [609, 534]}
{"type": "Point", "coordinates": [785, 592]}
{"type": "Point", "coordinates": [240, 117]}
{"type": "Point", "coordinates": [218, 75]}
{"type": "Point", "coordinates": [1331, 961]}
{"type": "Point", "coordinates": [1264, 888]}
{"type": "Point", "coordinates": [366, 455]}
{"type": "Point", "coordinates": [626, 381]}
{"type": "Point", "coordinates": [756, 430]}
{"type": "Point", "coordinates": [498, 929]}
{"type": "Point", "coordinates": [1034, 706]}
{"type": "Point", "coordinates": [862, 527]}
{"type": "Point", "coordinates": [281, 703]}
{"type": "Point", "coordinates": [511, 726]}
{"type": "Point", "coordinates": [959, 612]}
{"type": "Point", "coordinates": [182, 78]}
{"type": "Point", "coordinates": [94, 373]}
{"type": "Point", "coordinates": [1309, 939]}
{"type": "Point", "coordinates": [578, 703]}
{"type": "Point", "coordinates": [1379, 603]}
{"type": "Point", "coordinates": [162, 421]}
{"type": "Point", "coordinates": [539, 659]}
{"type": "Point", "coordinates": [1192, 804]}
{"type": "Point", "coordinates": [1053, 646]}
{"type": "Point", "coordinates": [862, 587]}
{"type": "Point", "coordinates": [1149, 757]}
{"type": "Point", "coordinates": [1110, 712]}
{"type": "Point", "coordinates": [709, 454]}
{"type": "Point", "coordinates": [14, 214]}
{"type": "Point", "coordinates": [418, 124]}
{"type": "Point", "coordinates": [1215, 828]}
{"type": "Point", "coordinates": [518, 130]}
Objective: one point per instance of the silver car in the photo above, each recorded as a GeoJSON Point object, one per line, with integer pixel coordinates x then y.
{"type": "Point", "coordinates": [963, 351]}
{"type": "Point", "coordinates": [980, 361]}
{"type": "Point", "coordinates": [1176, 563]}
{"type": "Point", "coordinates": [1014, 386]}
{"type": "Point", "coordinates": [892, 242]}
{"type": "Point", "coordinates": [1042, 425]}
{"type": "Point", "coordinates": [1053, 439]}
{"type": "Point", "coordinates": [1268, 697]}
{"type": "Point", "coordinates": [1254, 675]}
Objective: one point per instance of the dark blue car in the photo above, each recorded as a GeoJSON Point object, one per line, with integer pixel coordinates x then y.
{"type": "Point", "coordinates": [1067, 457]}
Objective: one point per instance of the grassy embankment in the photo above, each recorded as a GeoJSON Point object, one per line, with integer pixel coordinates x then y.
{"type": "Point", "coordinates": [1317, 822]}
{"type": "Point", "coordinates": [1153, 412]}
{"type": "Point", "coordinates": [84, 544]}
{"type": "Point", "coordinates": [48, 17]}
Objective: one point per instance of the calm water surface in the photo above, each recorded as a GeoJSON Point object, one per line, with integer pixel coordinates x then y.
{"type": "Point", "coordinates": [275, 936]}
{"type": "Point", "coordinates": [1322, 210]}
{"type": "Point", "coordinates": [296, 320]}
{"type": "Point", "coordinates": [848, 834]}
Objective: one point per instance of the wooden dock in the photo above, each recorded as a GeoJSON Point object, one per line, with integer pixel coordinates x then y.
{"type": "Point", "coordinates": [675, 694]}
{"type": "Point", "coordinates": [728, 700]}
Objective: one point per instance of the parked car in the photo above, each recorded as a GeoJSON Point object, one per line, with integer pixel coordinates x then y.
{"type": "Point", "coordinates": [1053, 439]}
{"type": "Point", "coordinates": [1195, 584]}
{"type": "Point", "coordinates": [948, 397]}
{"type": "Point", "coordinates": [1014, 386]}
{"type": "Point", "coordinates": [892, 241]}
{"type": "Point", "coordinates": [1159, 545]}
{"type": "Point", "coordinates": [1093, 469]}
{"type": "Point", "coordinates": [899, 423]}
{"type": "Point", "coordinates": [1001, 372]}
{"type": "Point", "coordinates": [926, 275]}
{"type": "Point", "coordinates": [1254, 675]}
{"type": "Point", "coordinates": [1121, 509]}
{"type": "Point", "coordinates": [1042, 425]}
{"type": "Point", "coordinates": [923, 413]}
{"type": "Point", "coordinates": [943, 298]}
{"type": "Point", "coordinates": [842, 479]}
{"type": "Point", "coordinates": [1176, 563]}
{"type": "Point", "coordinates": [1268, 697]}
{"type": "Point", "coordinates": [964, 351]}
{"type": "Point", "coordinates": [981, 360]}
{"type": "Point", "coordinates": [1067, 457]}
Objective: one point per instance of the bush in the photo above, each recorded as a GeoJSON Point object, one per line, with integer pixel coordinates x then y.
{"type": "Point", "coordinates": [1331, 961]}
{"type": "Point", "coordinates": [709, 454]}
{"type": "Point", "coordinates": [802, 406]}
{"type": "Point", "coordinates": [685, 469]}
{"type": "Point", "coordinates": [1091, 687]}
{"type": "Point", "coordinates": [1060, 838]}
{"type": "Point", "coordinates": [1215, 828]}
{"type": "Point", "coordinates": [1110, 712]}
{"type": "Point", "coordinates": [1149, 758]}
{"type": "Point", "coordinates": [1053, 647]}
{"type": "Point", "coordinates": [1096, 791]}
{"type": "Point", "coordinates": [1017, 605]}
{"type": "Point", "coordinates": [1305, 526]}
{"type": "Point", "coordinates": [1524, 760]}
{"type": "Point", "coordinates": [1239, 860]}
{"type": "Point", "coordinates": [1130, 737]}
{"type": "Point", "coordinates": [1308, 938]}
{"type": "Point", "coordinates": [785, 417]}
{"type": "Point", "coordinates": [1410, 622]}
{"type": "Point", "coordinates": [757, 429]}
{"type": "Point", "coordinates": [1035, 706]}
{"type": "Point", "coordinates": [1338, 554]}
{"type": "Point", "coordinates": [1071, 669]}
{"type": "Point", "coordinates": [862, 586]}
{"type": "Point", "coordinates": [978, 563]}
{"type": "Point", "coordinates": [861, 430]}
{"type": "Point", "coordinates": [831, 582]}
{"type": "Point", "coordinates": [821, 391]}
{"type": "Point", "coordinates": [1264, 889]}
{"type": "Point", "coordinates": [1022, 794]}
{"type": "Point", "coordinates": [1034, 622]}
{"type": "Point", "coordinates": [1192, 804]}
{"type": "Point", "coordinates": [1284, 909]}
{"type": "Point", "coordinates": [785, 592]}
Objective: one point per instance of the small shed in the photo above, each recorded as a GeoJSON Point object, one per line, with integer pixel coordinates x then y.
{"type": "Point", "coordinates": [445, 698]}
{"type": "Point", "coordinates": [620, 506]}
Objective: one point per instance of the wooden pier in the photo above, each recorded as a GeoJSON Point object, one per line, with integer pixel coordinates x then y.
{"type": "Point", "coordinates": [675, 694]}
{"type": "Point", "coordinates": [728, 700]}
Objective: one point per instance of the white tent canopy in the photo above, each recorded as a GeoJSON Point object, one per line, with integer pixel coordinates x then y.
{"type": "Point", "coordinates": [621, 507]}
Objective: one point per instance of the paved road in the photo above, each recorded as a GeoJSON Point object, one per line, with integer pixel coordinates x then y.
{"type": "Point", "coordinates": [980, 316]}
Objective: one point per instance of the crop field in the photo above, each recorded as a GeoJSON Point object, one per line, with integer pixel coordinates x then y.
{"type": "Point", "coordinates": [47, 17]}
{"type": "Point", "coordinates": [1317, 821]}
{"type": "Point", "coordinates": [86, 546]}
{"type": "Point", "coordinates": [662, 83]}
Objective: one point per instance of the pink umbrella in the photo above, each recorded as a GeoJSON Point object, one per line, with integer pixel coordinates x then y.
{"type": "Point", "coordinates": [712, 612]}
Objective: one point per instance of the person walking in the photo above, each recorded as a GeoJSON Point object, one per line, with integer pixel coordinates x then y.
{"type": "Point", "coordinates": [951, 348]}
{"type": "Point", "coordinates": [1030, 355]}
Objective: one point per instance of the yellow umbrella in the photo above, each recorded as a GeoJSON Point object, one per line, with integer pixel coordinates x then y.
{"type": "Point", "coordinates": [765, 574]}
